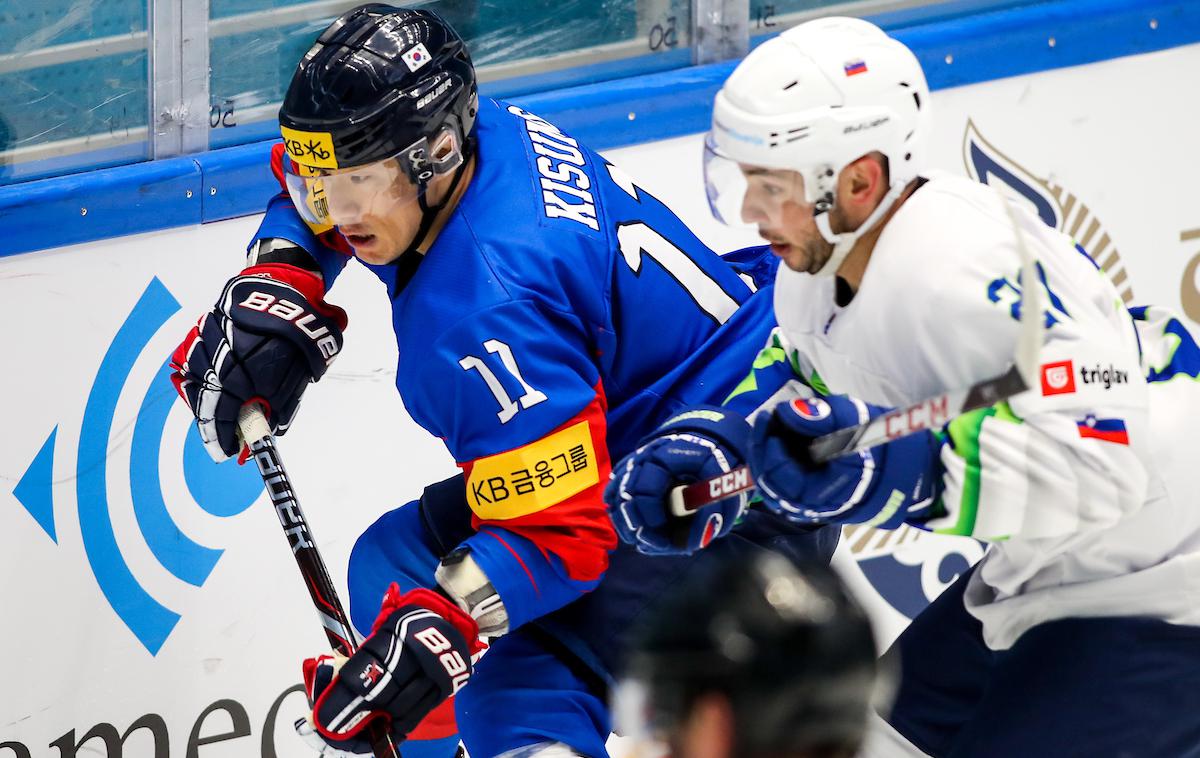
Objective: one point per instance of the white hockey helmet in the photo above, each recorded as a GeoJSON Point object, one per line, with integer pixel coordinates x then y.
{"type": "Point", "coordinates": [811, 101]}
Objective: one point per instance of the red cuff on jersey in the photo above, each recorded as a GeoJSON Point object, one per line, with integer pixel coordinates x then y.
{"type": "Point", "coordinates": [576, 529]}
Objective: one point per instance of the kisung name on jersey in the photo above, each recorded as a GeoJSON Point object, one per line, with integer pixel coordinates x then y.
{"type": "Point", "coordinates": [560, 163]}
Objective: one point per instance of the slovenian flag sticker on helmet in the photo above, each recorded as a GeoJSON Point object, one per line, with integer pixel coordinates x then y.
{"type": "Point", "coordinates": [416, 56]}
{"type": "Point", "coordinates": [856, 67]}
{"type": "Point", "coordinates": [1107, 429]}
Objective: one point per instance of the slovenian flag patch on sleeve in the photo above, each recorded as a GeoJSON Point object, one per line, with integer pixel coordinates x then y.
{"type": "Point", "coordinates": [1107, 429]}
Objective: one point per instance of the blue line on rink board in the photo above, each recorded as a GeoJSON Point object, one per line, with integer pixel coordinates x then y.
{"type": "Point", "coordinates": [148, 619]}
{"type": "Point", "coordinates": [955, 50]}
{"type": "Point", "coordinates": [185, 558]}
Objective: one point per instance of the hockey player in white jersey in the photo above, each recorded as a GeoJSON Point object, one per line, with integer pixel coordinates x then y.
{"type": "Point", "coordinates": [1076, 635]}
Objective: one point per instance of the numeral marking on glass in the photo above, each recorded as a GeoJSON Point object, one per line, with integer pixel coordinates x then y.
{"type": "Point", "coordinates": [508, 406]}
{"type": "Point", "coordinates": [637, 240]}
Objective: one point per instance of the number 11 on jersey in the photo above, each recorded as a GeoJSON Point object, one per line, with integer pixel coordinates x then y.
{"type": "Point", "coordinates": [508, 406]}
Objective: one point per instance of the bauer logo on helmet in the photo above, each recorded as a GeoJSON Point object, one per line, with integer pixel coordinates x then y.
{"type": "Point", "coordinates": [864, 125]}
{"type": "Point", "coordinates": [434, 94]}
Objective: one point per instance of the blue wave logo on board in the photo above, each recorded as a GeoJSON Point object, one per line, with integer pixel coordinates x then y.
{"type": "Point", "coordinates": [220, 490]}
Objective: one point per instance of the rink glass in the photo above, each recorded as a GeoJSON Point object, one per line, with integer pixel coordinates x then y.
{"type": "Point", "coordinates": [86, 85]}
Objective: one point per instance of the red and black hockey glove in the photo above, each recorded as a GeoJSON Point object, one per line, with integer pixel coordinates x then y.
{"type": "Point", "coordinates": [269, 336]}
{"type": "Point", "coordinates": [418, 654]}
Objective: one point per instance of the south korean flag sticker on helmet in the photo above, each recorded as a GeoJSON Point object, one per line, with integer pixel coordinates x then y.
{"type": "Point", "coordinates": [416, 57]}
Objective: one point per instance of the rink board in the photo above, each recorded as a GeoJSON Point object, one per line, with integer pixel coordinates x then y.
{"type": "Point", "coordinates": [143, 585]}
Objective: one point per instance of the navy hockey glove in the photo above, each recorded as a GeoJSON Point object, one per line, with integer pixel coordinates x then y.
{"type": "Point", "coordinates": [270, 334]}
{"type": "Point", "coordinates": [695, 445]}
{"type": "Point", "coordinates": [418, 654]}
{"type": "Point", "coordinates": [882, 486]}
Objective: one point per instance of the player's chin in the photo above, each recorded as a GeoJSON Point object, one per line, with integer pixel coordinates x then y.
{"type": "Point", "coordinates": [370, 248]}
{"type": "Point", "coordinates": [792, 256]}
{"type": "Point", "coordinates": [781, 249]}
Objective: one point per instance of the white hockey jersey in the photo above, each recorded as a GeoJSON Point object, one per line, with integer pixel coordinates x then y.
{"type": "Point", "coordinates": [1081, 483]}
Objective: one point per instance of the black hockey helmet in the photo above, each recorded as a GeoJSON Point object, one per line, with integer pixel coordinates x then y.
{"type": "Point", "coordinates": [784, 642]}
{"type": "Point", "coordinates": [378, 82]}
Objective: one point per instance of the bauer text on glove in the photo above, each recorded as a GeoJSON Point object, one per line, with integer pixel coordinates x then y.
{"type": "Point", "coordinates": [269, 336]}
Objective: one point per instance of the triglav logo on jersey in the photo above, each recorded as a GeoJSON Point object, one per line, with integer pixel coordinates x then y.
{"type": "Point", "coordinates": [1058, 378]}
{"type": "Point", "coordinates": [124, 494]}
{"type": "Point", "coordinates": [1055, 205]}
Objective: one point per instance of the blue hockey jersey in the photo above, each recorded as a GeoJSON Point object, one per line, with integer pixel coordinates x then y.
{"type": "Point", "coordinates": [560, 315]}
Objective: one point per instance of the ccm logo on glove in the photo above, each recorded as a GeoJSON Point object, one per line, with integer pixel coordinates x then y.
{"type": "Point", "coordinates": [456, 667]}
{"type": "Point", "coordinates": [289, 311]}
{"type": "Point", "coordinates": [731, 482]}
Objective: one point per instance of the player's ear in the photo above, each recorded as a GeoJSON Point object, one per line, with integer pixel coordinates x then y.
{"type": "Point", "coordinates": [866, 177]}
{"type": "Point", "coordinates": [863, 182]}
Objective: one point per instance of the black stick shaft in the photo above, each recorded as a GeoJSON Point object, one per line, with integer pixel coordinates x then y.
{"type": "Point", "coordinates": [324, 595]}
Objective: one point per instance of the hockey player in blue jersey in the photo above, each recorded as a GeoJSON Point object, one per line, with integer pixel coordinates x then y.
{"type": "Point", "coordinates": [549, 313]}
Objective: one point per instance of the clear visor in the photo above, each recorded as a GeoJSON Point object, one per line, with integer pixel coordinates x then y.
{"type": "Point", "coordinates": [340, 197]}
{"type": "Point", "coordinates": [740, 194]}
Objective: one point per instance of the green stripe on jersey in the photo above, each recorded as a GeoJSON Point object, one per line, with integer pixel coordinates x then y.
{"type": "Point", "coordinates": [817, 383]}
{"type": "Point", "coordinates": [964, 434]}
{"type": "Point", "coordinates": [767, 357]}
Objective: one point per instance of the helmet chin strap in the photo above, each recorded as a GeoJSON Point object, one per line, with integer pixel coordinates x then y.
{"type": "Point", "coordinates": [844, 242]}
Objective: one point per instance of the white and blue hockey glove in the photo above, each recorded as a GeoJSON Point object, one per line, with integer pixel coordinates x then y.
{"type": "Point", "coordinates": [695, 445]}
{"type": "Point", "coordinates": [883, 486]}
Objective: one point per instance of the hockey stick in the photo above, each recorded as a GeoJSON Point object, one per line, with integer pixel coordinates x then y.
{"type": "Point", "coordinates": [257, 434]}
{"type": "Point", "coordinates": [901, 422]}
